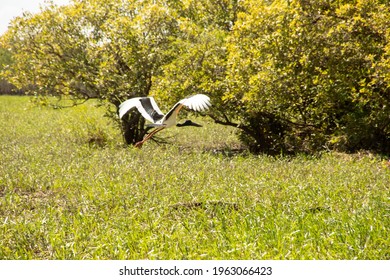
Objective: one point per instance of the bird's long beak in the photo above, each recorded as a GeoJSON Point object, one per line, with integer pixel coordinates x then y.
{"type": "Point", "coordinates": [195, 124]}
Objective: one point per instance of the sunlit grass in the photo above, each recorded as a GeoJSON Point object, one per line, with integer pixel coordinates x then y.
{"type": "Point", "coordinates": [65, 196]}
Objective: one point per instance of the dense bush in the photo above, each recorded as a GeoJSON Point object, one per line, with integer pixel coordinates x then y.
{"type": "Point", "coordinates": [310, 74]}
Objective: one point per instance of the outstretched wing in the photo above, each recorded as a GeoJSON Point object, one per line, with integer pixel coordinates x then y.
{"type": "Point", "coordinates": [197, 102]}
{"type": "Point", "coordinates": [145, 105]}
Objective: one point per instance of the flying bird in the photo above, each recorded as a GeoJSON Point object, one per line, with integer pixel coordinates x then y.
{"type": "Point", "coordinates": [149, 110]}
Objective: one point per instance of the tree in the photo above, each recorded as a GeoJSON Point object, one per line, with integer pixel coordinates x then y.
{"type": "Point", "coordinates": [306, 74]}
{"type": "Point", "coordinates": [5, 60]}
{"type": "Point", "coordinates": [290, 75]}
{"type": "Point", "coordinates": [109, 50]}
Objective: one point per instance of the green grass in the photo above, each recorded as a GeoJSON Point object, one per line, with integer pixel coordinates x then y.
{"type": "Point", "coordinates": [69, 189]}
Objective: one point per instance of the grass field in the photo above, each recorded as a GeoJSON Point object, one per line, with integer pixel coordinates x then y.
{"type": "Point", "coordinates": [69, 189]}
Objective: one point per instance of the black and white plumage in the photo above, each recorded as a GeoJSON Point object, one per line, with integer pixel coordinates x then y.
{"type": "Point", "coordinates": [150, 111]}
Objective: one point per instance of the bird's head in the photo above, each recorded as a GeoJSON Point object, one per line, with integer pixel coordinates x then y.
{"type": "Point", "coordinates": [188, 123]}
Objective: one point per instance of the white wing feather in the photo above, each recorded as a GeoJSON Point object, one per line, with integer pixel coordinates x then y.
{"type": "Point", "coordinates": [198, 102]}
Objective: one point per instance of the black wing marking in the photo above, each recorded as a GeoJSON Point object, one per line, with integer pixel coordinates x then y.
{"type": "Point", "coordinates": [147, 105]}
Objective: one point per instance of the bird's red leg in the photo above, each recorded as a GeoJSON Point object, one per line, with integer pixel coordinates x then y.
{"type": "Point", "coordinates": [140, 143]}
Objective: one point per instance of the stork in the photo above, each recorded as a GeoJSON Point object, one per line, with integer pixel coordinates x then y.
{"type": "Point", "coordinates": [149, 110]}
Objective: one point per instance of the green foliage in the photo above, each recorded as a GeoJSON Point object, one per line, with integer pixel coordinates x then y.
{"type": "Point", "coordinates": [5, 58]}
{"type": "Point", "coordinates": [5, 62]}
{"type": "Point", "coordinates": [91, 49]}
{"type": "Point", "coordinates": [312, 73]}
{"type": "Point", "coordinates": [63, 198]}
